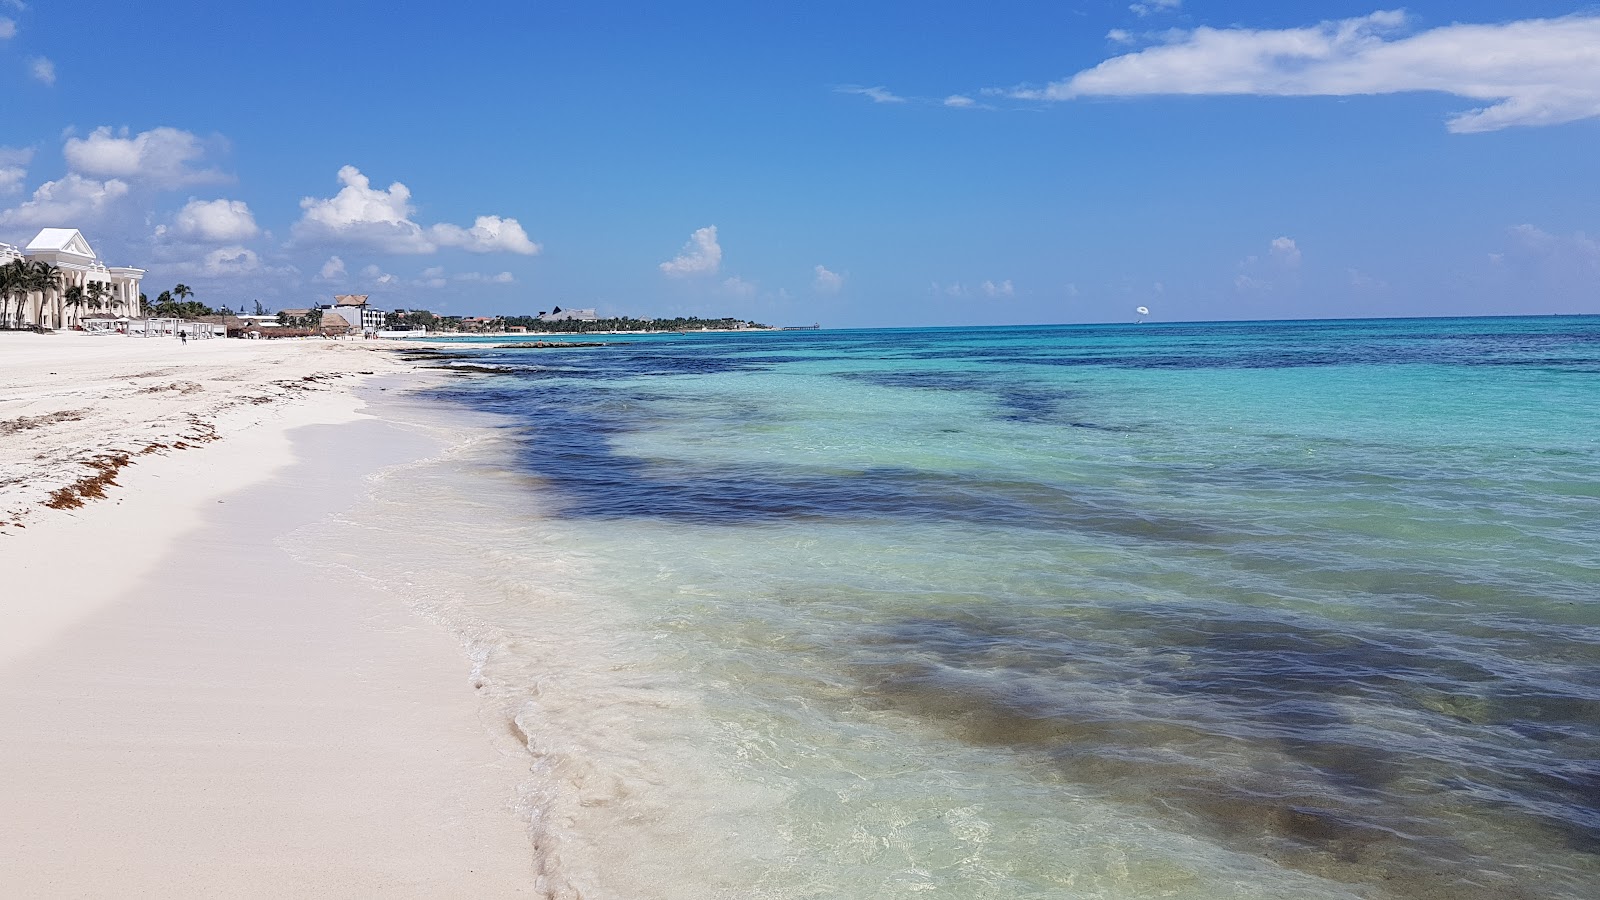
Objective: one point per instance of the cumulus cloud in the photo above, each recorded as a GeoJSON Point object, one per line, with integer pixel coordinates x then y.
{"type": "Point", "coordinates": [1530, 72]}
{"type": "Point", "coordinates": [1579, 248]}
{"type": "Point", "coordinates": [1278, 269]}
{"type": "Point", "coordinates": [488, 234]}
{"type": "Point", "coordinates": [219, 221]}
{"type": "Point", "coordinates": [702, 255]}
{"type": "Point", "coordinates": [1003, 289]}
{"type": "Point", "coordinates": [8, 28]}
{"type": "Point", "coordinates": [42, 70]}
{"type": "Point", "coordinates": [738, 287]}
{"type": "Point", "coordinates": [72, 198]}
{"type": "Point", "coordinates": [432, 277]}
{"type": "Point", "coordinates": [225, 261]}
{"type": "Point", "coordinates": [333, 270]}
{"type": "Point", "coordinates": [382, 219]}
{"type": "Point", "coordinates": [959, 101]}
{"type": "Point", "coordinates": [13, 168]}
{"type": "Point", "coordinates": [162, 157]}
{"type": "Point", "coordinates": [377, 276]}
{"type": "Point", "coordinates": [826, 282]}
{"type": "Point", "coordinates": [877, 94]}
{"type": "Point", "coordinates": [362, 214]}
{"type": "Point", "coordinates": [1285, 251]}
{"type": "Point", "coordinates": [233, 261]}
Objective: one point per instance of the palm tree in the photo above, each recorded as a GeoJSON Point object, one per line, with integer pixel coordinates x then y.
{"type": "Point", "coordinates": [182, 292]}
{"type": "Point", "coordinates": [96, 295]}
{"type": "Point", "coordinates": [75, 298]}
{"type": "Point", "coordinates": [13, 281]}
{"type": "Point", "coordinates": [46, 279]}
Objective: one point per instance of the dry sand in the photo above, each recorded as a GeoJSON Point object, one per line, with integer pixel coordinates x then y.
{"type": "Point", "coordinates": [188, 711]}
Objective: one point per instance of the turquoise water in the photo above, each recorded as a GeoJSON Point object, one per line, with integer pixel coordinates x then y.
{"type": "Point", "coordinates": [1261, 609]}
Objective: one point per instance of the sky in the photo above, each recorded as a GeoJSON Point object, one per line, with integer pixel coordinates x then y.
{"type": "Point", "coordinates": [854, 164]}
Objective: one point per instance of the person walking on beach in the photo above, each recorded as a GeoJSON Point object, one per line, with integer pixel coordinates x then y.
{"type": "Point", "coordinates": [183, 338]}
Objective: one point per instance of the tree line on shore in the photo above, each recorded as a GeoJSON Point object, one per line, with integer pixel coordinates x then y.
{"type": "Point", "coordinates": [421, 318]}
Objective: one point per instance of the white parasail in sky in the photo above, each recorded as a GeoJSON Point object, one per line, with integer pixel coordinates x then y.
{"type": "Point", "coordinates": [1142, 310]}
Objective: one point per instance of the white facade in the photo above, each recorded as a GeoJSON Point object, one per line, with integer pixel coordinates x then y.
{"type": "Point", "coordinates": [354, 309]}
{"type": "Point", "coordinates": [76, 265]}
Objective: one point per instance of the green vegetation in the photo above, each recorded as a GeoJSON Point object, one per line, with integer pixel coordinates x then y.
{"type": "Point", "coordinates": [20, 278]}
{"type": "Point", "coordinates": [167, 306]}
{"type": "Point", "coordinates": [312, 319]}
{"type": "Point", "coordinates": [421, 318]}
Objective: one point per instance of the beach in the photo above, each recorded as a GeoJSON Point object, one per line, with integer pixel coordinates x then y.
{"type": "Point", "coordinates": [191, 711]}
{"type": "Point", "coordinates": [1273, 610]}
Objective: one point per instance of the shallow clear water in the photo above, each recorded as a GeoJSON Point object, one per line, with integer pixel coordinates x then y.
{"type": "Point", "coordinates": [1263, 609]}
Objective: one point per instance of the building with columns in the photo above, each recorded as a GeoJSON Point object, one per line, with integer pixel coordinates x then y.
{"type": "Point", "coordinates": [75, 265]}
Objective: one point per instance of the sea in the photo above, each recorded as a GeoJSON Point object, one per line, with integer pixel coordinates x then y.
{"type": "Point", "coordinates": [1299, 609]}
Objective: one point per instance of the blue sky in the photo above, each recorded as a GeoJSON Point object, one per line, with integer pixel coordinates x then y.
{"type": "Point", "coordinates": [853, 164]}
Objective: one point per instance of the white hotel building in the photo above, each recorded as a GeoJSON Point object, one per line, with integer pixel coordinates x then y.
{"type": "Point", "coordinates": [66, 249]}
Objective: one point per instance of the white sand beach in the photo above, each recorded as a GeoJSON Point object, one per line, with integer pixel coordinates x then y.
{"type": "Point", "coordinates": [190, 711]}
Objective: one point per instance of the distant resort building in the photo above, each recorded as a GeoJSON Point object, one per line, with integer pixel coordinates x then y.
{"type": "Point", "coordinates": [482, 323]}
{"type": "Point", "coordinates": [356, 312]}
{"type": "Point", "coordinates": [76, 284]}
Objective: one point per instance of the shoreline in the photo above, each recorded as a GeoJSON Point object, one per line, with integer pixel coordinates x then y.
{"type": "Point", "coordinates": [194, 711]}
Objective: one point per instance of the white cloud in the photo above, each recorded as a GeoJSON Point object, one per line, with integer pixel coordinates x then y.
{"type": "Point", "coordinates": [498, 278]}
{"type": "Point", "coordinates": [826, 282]}
{"type": "Point", "coordinates": [1003, 289]}
{"type": "Point", "coordinates": [1578, 248]}
{"type": "Point", "coordinates": [333, 270]}
{"type": "Point", "coordinates": [14, 168]}
{"type": "Point", "coordinates": [8, 28]}
{"type": "Point", "coordinates": [953, 289]}
{"type": "Point", "coordinates": [164, 157]}
{"type": "Point", "coordinates": [220, 221]}
{"type": "Point", "coordinates": [1285, 251]}
{"type": "Point", "coordinates": [73, 199]}
{"type": "Point", "coordinates": [1530, 72]}
{"type": "Point", "coordinates": [702, 255]}
{"type": "Point", "coordinates": [959, 101]}
{"type": "Point", "coordinates": [42, 70]}
{"type": "Point", "coordinates": [361, 214]}
{"type": "Point", "coordinates": [233, 261]}
{"type": "Point", "coordinates": [1119, 36]}
{"type": "Point", "coordinates": [432, 277]}
{"type": "Point", "coordinates": [381, 219]}
{"type": "Point", "coordinates": [226, 261]}
{"type": "Point", "coordinates": [488, 234]}
{"type": "Point", "coordinates": [877, 94]}
{"type": "Point", "coordinates": [1151, 7]}
{"type": "Point", "coordinates": [377, 276]}
{"type": "Point", "coordinates": [1278, 270]}
{"type": "Point", "coordinates": [738, 287]}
